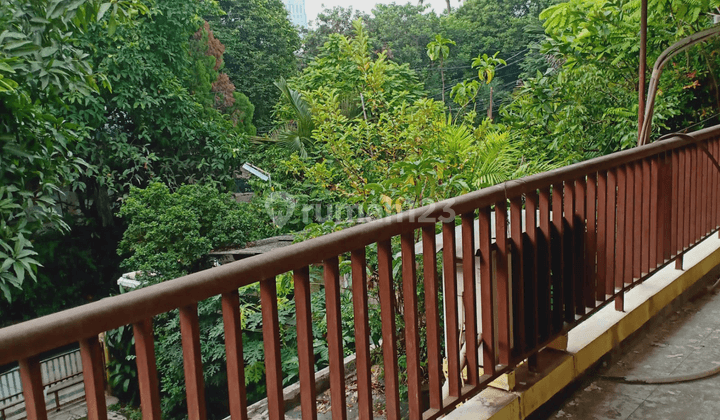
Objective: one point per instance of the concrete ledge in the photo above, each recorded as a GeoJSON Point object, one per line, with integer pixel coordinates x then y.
{"type": "Point", "coordinates": [291, 393]}
{"type": "Point", "coordinates": [591, 340]}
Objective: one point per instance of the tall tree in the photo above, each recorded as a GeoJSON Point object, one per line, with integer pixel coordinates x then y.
{"type": "Point", "coordinates": [260, 45]}
{"type": "Point", "coordinates": [337, 20]}
{"type": "Point", "coordinates": [586, 104]}
{"type": "Point", "coordinates": [41, 68]}
{"type": "Point", "coordinates": [152, 122]}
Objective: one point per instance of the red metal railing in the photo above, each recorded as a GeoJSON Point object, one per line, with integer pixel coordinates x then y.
{"type": "Point", "coordinates": [600, 227]}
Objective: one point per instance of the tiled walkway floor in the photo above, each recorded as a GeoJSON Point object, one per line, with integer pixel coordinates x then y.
{"type": "Point", "coordinates": [686, 342]}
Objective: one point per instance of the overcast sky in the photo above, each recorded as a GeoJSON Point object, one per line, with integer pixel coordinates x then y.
{"type": "Point", "coordinates": [313, 7]}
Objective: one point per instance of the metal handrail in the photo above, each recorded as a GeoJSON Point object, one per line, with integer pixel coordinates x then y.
{"type": "Point", "coordinates": [42, 362]}
{"type": "Point", "coordinates": [30, 338]}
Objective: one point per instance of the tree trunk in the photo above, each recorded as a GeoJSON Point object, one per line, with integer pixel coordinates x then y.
{"type": "Point", "coordinates": [442, 77]}
{"type": "Point", "coordinates": [490, 106]}
{"type": "Point", "coordinates": [449, 9]}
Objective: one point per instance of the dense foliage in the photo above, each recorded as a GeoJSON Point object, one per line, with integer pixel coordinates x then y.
{"type": "Point", "coordinates": [170, 234]}
{"type": "Point", "coordinates": [587, 105]}
{"type": "Point", "coordinates": [40, 66]}
{"type": "Point", "coordinates": [260, 44]}
{"type": "Point", "coordinates": [477, 27]}
{"type": "Point", "coordinates": [375, 137]}
{"type": "Point", "coordinates": [125, 123]}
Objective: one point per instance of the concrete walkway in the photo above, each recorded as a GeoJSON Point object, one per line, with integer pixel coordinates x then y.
{"type": "Point", "coordinates": [688, 341]}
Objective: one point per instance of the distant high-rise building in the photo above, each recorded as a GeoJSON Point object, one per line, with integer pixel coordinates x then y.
{"type": "Point", "coordinates": [296, 9]}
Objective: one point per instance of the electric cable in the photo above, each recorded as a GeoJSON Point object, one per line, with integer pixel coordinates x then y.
{"type": "Point", "coordinates": [640, 380]}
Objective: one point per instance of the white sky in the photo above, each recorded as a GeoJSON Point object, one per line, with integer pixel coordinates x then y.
{"type": "Point", "coordinates": [313, 7]}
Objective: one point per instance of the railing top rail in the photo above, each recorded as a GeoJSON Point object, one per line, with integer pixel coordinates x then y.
{"type": "Point", "coordinates": [36, 336]}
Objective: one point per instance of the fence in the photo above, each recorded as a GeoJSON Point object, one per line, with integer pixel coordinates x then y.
{"type": "Point", "coordinates": [59, 374]}
{"type": "Point", "coordinates": [593, 230]}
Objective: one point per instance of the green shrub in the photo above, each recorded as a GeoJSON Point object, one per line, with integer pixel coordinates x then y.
{"type": "Point", "coordinates": [171, 233]}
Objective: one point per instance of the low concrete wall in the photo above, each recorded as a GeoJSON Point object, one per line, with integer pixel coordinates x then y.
{"type": "Point", "coordinates": [291, 393]}
{"type": "Point", "coordinates": [593, 339]}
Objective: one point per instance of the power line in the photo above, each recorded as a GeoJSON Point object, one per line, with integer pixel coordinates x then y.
{"type": "Point", "coordinates": [509, 63]}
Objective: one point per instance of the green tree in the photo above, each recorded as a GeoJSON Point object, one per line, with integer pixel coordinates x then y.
{"type": "Point", "coordinates": [586, 104]}
{"type": "Point", "coordinates": [373, 130]}
{"type": "Point", "coordinates": [260, 45]}
{"type": "Point", "coordinates": [169, 234]}
{"type": "Point", "coordinates": [296, 133]}
{"type": "Point", "coordinates": [487, 26]}
{"type": "Point", "coordinates": [153, 122]}
{"type": "Point", "coordinates": [439, 50]}
{"type": "Point", "coordinates": [337, 20]}
{"type": "Point", "coordinates": [41, 65]}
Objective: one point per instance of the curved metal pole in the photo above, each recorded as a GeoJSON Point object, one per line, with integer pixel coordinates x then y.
{"type": "Point", "coordinates": [643, 65]}
{"type": "Point", "coordinates": [666, 55]}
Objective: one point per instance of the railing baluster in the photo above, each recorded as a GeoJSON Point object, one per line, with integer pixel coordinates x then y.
{"type": "Point", "coordinates": [518, 291]}
{"type": "Point", "coordinates": [558, 254]}
{"type": "Point", "coordinates": [687, 234]}
{"type": "Point", "coordinates": [271, 344]}
{"type": "Point", "coordinates": [704, 184]}
{"type": "Point", "coordinates": [331, 275]}
{"type": "Point", "coordinates": [530, 274]}
{"type": "Point", "coordinates": [433, 317]}
{"type": "Point", "coordinates": [667, 207]}
{"type": "Point", "coordinates": [706, 190]}
{"type": "Point", "coordinates": [715, 211]}
{"type": "Point", "coordinates": [591, 240]}
{"type": "Point", "coordinates": [544, 265]}
{"type": "Point", "coordinates": [49, 372]}
{"type": "Point", "coordinates": [469, 297]}
{"type": "Point", "coordinates": [452, 337]}
{"type": "Point", "coordinates": [486, 292]}
{"type": "Point", "coordinates": [637, 221]}
{"type": "Point", "coordinates": [715, 214]}
{"type": "Point", "coordinates": [147, 370]}
{"type": "Point", "coordinates": [412, 328]}
{"type": "Point", "coordinates": [569, 251]}
{"type": "Point", "coordinates": [602, 227]}
{"type": "Point", "coordinates": [697, 194]}
{"type": "Point", "coordinates": [192, 362]}
{"type": "Point", "coordinates": [697, 225]}
{"type": "Point", "coordinates": [654, 212]}
{"type": "Point", "coordinates": [703, 192]}
{"type": "Point", "coordinates": [681, 204]}
{"type": "Point", "coordinates": [662, 198]}
{"type": "Point", "coordinates": [94, 378]}
{"type": "Point", "coordinates": [362, 334]}
{"type": "Point", "coordinates": [620, 242]}
{"type": "Point", "coordinates": [629, 217]}
{"type": "Point", "coordinates": [711, 187]}
{"type": "Point", "coordinates": [234, 354]}
{"type": "Point", "coordinates": [610, 232]}
{"type": "Point", "coordinates": [693, 196]}
{"type": "Point", "coordinates": [387, 312]}
{"type": "Point", "coordinates": [306, 352]}
{"type": "Point", "coordinates": [32, 386]}
{"type": "Point", "coordinates": [503, 310]}
{"type": "Point", "coordinates": [675, 204]}
{"type": "Point", "coordinates": [645, 219]}
{"type": "Point", "coordinates": [712, 182]}
{"type": "Point", "coordinates": [579, 246]}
